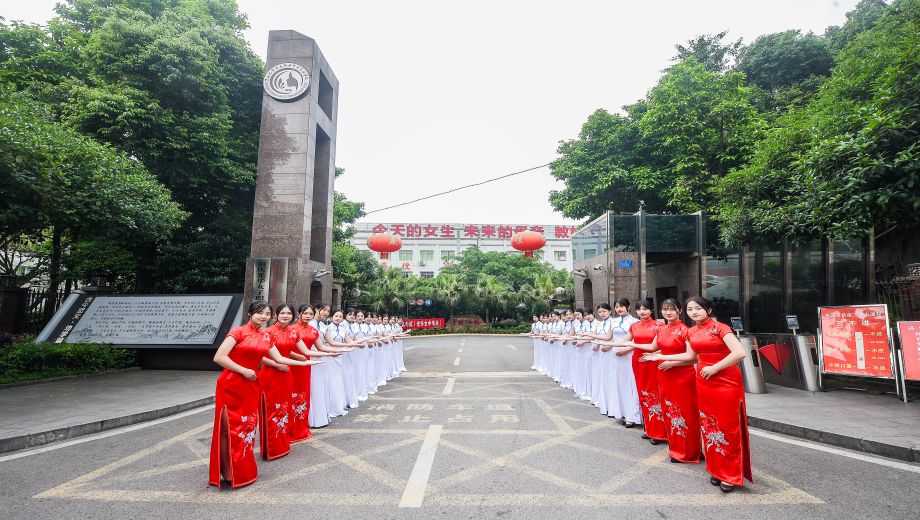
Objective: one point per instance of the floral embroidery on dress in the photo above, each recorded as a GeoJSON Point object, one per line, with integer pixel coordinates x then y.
{"type": "Point", "coordinates": [678, 423]}
{"type": "Point", "coordinates": [712, 435]}
{"type": "Point", "coordinates": [299, 404]}
{"type": "Point", "coordinates": [280, 418]}
{"type": "Point", "coordinates": [651, 402]}
{"type": "Point", "coordinates": [248, 433]}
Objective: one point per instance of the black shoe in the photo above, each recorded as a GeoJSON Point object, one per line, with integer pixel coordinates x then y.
{"type": "Point", "coordinates": [714, 481]}
{"type": "Point", "coordinates": [629, 425]}
{"type": "Point", "coordinates": [675, 461]}
{"type": "Point", "coordinates": [655, 442]}
{"type": "Point", "coordinates": [726, 488]}
{"type": "Point", "coordinates": [646, 437]}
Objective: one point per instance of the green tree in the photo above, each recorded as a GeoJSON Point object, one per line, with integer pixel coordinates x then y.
{"type": "Point", "coordinates": [700, 124]}
{"type": "Point", "coordinates": [448, 288]}
{"type": "Point", "coordinates": [850, 159]}
{"type": "Point", "coordinates": [355, 268]}
{"type": "Point", "coordinates": [59, 182]}
{"type": "Point", "coordinates": [709, 50]}
{"type": "Point", "coordinates": [175, 86]}
{"type": "Point", "coordinates": [390, 291]}
{"type": "Point", "coordinates": [493, 293]}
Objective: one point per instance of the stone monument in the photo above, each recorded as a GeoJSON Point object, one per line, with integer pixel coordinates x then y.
{"type": "Point", "coordinates": [291, 256]}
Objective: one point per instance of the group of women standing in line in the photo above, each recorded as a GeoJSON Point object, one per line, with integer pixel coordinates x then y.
{"type": "Point", "coordinates": [296, 374]}
{"type": "Point", "coordinates": [683, 384]}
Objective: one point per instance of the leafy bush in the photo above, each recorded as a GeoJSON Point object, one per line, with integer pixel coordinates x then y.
{"type": "Point", "coordinates": [517, 329]}
{"type": "Point", "coordinates": [26, 360]}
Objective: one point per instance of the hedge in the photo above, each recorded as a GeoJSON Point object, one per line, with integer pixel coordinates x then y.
{"type": "Point", "coordinates": [472, 330]}
{"type": "Point", "coordinates": [25, 360]}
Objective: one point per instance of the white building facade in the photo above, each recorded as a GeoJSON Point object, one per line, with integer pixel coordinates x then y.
{"type": "Point", "coordinates": [426, 247]}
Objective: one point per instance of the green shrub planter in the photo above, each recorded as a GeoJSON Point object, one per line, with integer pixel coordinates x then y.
{"type": "Point", "coordinates": [26, 360]}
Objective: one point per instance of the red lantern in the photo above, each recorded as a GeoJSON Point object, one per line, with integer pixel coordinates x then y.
{"type": "Point", "coordinates": [384, 243]}
{"type": "Point", "coordinates": [528, 241]}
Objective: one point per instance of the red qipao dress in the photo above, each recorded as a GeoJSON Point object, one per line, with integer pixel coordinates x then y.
{"type": "Point", "coordinates": [299, 428]}
{"type": "Point", "coordinates": [237, 398]}
{"type": "Point", "coordinates": [275, 411]}
{"type": "Point", "coordinates": [677, 388]}
{"type": "Point", "coordinates": [723, 415]}
{"type": "Point", "coordinates": [653, 408]}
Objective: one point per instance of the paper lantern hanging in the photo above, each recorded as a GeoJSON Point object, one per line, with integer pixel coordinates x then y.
{"type": "Point", "coordinates": [384, 243]}
{"type": "Point", "coordinates": [528, 241]}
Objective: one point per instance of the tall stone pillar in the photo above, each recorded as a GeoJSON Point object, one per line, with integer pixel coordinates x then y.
{"type": "Point", "coordinates": [291, 255]}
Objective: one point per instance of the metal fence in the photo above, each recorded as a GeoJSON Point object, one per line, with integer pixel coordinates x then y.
{"type": "Point", "coordinates": [37, 312]}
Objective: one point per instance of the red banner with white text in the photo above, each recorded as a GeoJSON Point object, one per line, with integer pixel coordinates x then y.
{"type": "Point", "coordinates": [423, 323]}
{"type": "Point", "coordinates": [909, 331]}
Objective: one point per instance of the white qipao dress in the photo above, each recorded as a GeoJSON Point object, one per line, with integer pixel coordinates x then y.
{"type": "Point", "coordinates": [342, 332]}
{"type": "Point", "coordinates": [536, 349]}
{"type": "Point", "coordinates": [359, 363]}
{"type": "Point", "coordinates": [400, 351]}
{"type": "Point", "coordinates": [556, 347]}
{"type": "Point", "coordinates": [319, 414]}
{"type": "Point", "coordinates": [370, 369]}
{"type": "Point", "coordinates": [335, 393]}
{"type": "Point", "coordinates": [384, 359]}
{"type": "Point", "coordinates": [626, 393]}
{"type": "Point", "coordinates": [587, 355]}
{"type": "Point", "coordinates": [601, 377]}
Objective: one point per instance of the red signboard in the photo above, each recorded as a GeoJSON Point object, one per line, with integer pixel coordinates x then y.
{"type": "Point", "coordinates": [423, 323]}
{"type": "Point", "coordinates": [909, 331]}
{"type": "Point", "coordinates": [854, 341]}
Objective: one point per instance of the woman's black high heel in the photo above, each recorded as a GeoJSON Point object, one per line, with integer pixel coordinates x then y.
{"type": "Point", "coordinates": [715, 482]}
{"type": "Point", "coordinates": [726, 488]}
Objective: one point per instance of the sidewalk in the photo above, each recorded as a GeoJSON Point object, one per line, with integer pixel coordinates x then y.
{"type": "Point", "coordinates": [877, 424]}
{"type": "Point", "coordinates": [47, 412]}
{"type": "Point", "coordinates": [38, 414]}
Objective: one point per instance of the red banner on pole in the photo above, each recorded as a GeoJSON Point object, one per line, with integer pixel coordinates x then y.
{"type": "Point", "coordinates": [423, 323]}
{"type": "Point", "coordinates": [854, 341]}
{"type": "Point", "coordinates": [909, 331]}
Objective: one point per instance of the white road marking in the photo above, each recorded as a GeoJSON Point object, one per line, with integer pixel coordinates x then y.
{"type": "Point", "coordinates": [836, 451]}
{"type": "Point", "coordinates": [449, 387]}
{"type": "Point", "coordinates": [409, 348]}
{"type": "Point", "coordinates": [460, 350]}
{"type": "Point", "coordinates": [103, 435]}
{"type": "Point", "coordinates": [414, 493]}
{"type": "Point", "coordinates": [457, 361]}
{"type": "Point", "coordinates": [512, 347]}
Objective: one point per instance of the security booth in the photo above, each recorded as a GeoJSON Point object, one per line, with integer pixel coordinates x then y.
{"type": "Point", "coordinates": [655, 257]}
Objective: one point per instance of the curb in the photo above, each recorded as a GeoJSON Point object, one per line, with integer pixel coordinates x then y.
{"type": "Point", "coordinates": [65, 378]}
{"type": "Point", "coordinates": [33, 440]}
{"type": "Point", "coordinates": [871, 447]}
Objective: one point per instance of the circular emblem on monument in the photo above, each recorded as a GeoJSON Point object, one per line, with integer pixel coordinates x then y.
{"type": "Point", "coordinates": [286, 81]}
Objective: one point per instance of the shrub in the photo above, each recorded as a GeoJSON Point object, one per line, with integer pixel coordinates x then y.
{"type": "Point", "coordinates": [25, 360]}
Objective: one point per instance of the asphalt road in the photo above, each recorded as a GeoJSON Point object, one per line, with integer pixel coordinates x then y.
{"type": "Point", "coordinates": [469, 432]}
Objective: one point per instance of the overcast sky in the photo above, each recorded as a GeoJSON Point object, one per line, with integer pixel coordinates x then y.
{"type": "Point", "coordinates": [434, 96]}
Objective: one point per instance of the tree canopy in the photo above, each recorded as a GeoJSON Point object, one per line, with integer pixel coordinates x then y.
{"type": "Point", "coordinates": [793, 136]}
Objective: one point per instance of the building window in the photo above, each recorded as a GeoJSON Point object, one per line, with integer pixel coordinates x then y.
{"type": "Point", "coordinates": [560, 256]}
{"type": "Point", "coordinates": [405, 256]}
{"type": "Point", "coordinates": [447, 255]}
{"type": "Point", "coordinates": [427, 256]}
{"type": "Point", "coordinates": [427, 274]}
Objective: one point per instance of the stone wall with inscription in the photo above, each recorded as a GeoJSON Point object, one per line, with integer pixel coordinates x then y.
{"type": "Point", "coordinates": [156, 321]}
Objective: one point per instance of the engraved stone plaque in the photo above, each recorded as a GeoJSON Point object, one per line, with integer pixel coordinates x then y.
{"type": "Point", "coordinates": [152, 320]}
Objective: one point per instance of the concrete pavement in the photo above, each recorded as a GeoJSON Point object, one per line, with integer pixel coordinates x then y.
{"type": "Point", "coordinates": [38, 414]}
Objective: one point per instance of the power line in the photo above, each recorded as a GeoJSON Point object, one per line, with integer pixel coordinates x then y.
{"type": "Point", "coordinates": [459, 188]}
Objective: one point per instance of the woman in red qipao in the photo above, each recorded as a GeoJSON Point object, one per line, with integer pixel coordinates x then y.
{"type": "Point", "coordinates": [279, 404]}
{"type": "Point", "coordinates": [639, 340]}
{"type": "Point", "coordinates": [236, 410]}
{"type": "Point", "coordinates": [720, 389]}
{"type": "Point", "coordinates": [677, 387]}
